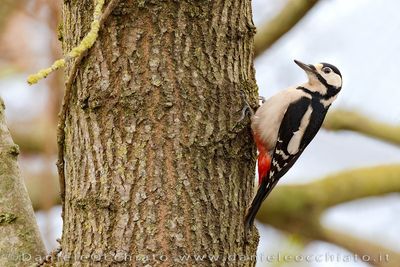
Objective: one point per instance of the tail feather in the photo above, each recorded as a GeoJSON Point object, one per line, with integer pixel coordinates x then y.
{"type": "Point", "coordinates": [264, 185]}
{"type": "Point", "coordinates": [263, 191]}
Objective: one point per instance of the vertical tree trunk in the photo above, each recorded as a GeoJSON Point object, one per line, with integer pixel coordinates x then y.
{"type": "Point", "coordinates": [20, 241]}
{"type": "Point", "coordinates": [156, 166]}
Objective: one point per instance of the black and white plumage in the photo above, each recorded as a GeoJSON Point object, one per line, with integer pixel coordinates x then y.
{"type": "Point", "coordinates": [287, 122]}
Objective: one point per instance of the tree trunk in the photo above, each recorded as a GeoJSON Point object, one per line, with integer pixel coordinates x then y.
{"type": "Point", "coordinates": [157, 169]}
{"type": "Point", "coordinates": [20, 241]}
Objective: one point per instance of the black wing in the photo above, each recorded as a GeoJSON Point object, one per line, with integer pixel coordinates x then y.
{"type": "Point", "coordinates": [282, 161]}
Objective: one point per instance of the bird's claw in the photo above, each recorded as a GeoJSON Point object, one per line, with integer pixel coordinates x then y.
{"type": "Point", "coordinates": [246, 109]}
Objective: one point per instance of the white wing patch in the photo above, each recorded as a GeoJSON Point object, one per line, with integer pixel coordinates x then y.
{"type": "Point", "coordinates": [282, 154]}
{"type": "Point", "coordinates": [294, 144]}
{"type": "Point", "coordinates": [276, 164]}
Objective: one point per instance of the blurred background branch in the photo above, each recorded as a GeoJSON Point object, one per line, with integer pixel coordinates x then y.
{"type": "Point", "coordinates": [377, 255]}
{"type": "Point", "coordinates": [35, 188]}
{"type": "Point", "coordinates": [298, 208]}
{"type": "Point", "coordinates": [275, 28]}
{"type": "Point", "coordinates": [28, 41]}
{"type": "Point", "coordinates": [354, 121]}
{"type": "Point", "coordinates": [6, 10]}
{"type": "Point", "coordinates": [33, 138]}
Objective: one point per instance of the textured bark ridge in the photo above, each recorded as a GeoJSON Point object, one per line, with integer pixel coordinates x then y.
{"type": "Point", "coordinates": [20, 242]}
{"type": "Point", "coordinates": [158, 171]}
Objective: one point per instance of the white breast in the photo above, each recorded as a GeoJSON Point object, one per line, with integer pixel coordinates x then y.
{"type": "Point", "coordinates": [267, 120]}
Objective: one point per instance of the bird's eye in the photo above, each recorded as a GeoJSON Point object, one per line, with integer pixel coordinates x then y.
{"type": "Point", "coordinates": [326, 70]}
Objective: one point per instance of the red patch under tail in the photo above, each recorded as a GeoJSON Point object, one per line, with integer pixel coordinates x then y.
{"type": "Point", "coordinates": [264, 160]}
{"type": "Point", "coordinates": [264, 165]}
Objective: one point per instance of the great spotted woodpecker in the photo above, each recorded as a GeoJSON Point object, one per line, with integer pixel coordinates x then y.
{"type": "Point", "coordinates": [286, 123]}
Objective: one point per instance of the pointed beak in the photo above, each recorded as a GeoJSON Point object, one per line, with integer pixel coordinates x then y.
{"type": "Point", "coordinates": [306, 67]}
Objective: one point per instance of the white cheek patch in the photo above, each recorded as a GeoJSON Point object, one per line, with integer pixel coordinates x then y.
{"type": "Point", "coordinates": [333, 79]}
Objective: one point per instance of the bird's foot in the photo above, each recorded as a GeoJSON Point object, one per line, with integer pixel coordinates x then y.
{"type": "Point", "coordinates": [246, 110]}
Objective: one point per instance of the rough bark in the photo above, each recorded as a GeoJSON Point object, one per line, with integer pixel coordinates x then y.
{"type": "Point", "coordinates": [20, 241]}
{"type": "Point", "coordinates": [156, 165]}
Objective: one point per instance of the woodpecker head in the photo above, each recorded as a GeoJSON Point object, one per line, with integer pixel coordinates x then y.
{"type": "Point", "coordinates": [322, 77]}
